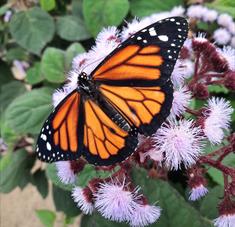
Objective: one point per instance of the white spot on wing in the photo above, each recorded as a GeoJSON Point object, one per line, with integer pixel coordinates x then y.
{"type": "Point", "coordinates": [153, 33]}
{"type": "Point", "coordinates": [139, 38]}
{"type": "Point", "coordinates": [48, 146]}
{"type": "Point", "coordinates": [44, 137]}
{"type": "Point", "coordinates": [163, 38]}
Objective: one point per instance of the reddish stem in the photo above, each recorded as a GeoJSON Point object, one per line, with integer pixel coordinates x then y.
{"type": "Point", "coordinates": [226, 152]}
{"type": "Point", "coordinates": [218, 165]}
{"type": "Point", "coordinates": [193, 112]}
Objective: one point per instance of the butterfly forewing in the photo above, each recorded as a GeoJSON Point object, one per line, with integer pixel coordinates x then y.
{"type": "Point", "coordinates": [147, 58]}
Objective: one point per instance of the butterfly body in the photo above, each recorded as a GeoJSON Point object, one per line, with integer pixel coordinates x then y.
{"type": "Point", "coordinates": [129, 92]}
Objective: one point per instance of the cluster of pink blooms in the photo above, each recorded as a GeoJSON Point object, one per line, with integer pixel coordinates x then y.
{"type": "Point", "coordinates": [223, 35]}
{"type": "Point", "coordinates": [180, 141]}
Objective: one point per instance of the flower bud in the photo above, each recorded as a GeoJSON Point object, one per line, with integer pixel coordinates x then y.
{"type": "Point", "coordinates": [226, 213]}
{"type": "Point", "coordinates": [229, 80]}
{"type": "Point", "coordinates": [200, 91]}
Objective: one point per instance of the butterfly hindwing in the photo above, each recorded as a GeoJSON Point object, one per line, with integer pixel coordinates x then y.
{"type": "Point", "coordinates": [105, 143]}
{"type": "Point", "coordinates": [60, 134]}
{"type": "Point", "coordinates": [144, 107]}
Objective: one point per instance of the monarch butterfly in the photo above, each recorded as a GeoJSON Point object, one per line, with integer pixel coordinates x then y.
{"type": "Point", "coordinates": [129, 92]}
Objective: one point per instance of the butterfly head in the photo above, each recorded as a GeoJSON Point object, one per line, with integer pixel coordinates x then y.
{"type": "Point", "coordinates": [84, 82]}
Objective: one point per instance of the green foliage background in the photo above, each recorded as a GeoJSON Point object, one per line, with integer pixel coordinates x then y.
{"type": "Point", "coordinates": [48, 35]}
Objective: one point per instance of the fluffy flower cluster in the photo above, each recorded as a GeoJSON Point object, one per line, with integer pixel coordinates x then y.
{"type": "Point", "coordinates": [225, 34]}
{"type": "Point", "coordinates": [116, 202]}
{"type": "Point", "coordinates": [180, 142]}
{"type": "Point", "coordinates": [65, 172]}
{"type": "Point", "coordinates": [218, 117]}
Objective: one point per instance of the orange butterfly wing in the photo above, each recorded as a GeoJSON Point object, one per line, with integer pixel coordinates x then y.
{"type": "Point", "coordinates": [143, 107]}
{"type": "Point", "coordinates": [59, 137]}
{"type": "Point", "coordinates": [132, 62]}
{"type": "Point", "coordinates": [104, 141]}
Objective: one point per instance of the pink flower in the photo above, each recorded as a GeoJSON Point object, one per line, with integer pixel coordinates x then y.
{"type": "Point", "coordinates": [197, 192]}
{"type": "Point", "coordinates": [196, 11]}
{"type": "Point", "coordinates": [65, 172]}
{"type": "Point", "coordinates": [114, 202]}
{"type": "Point", "coordinates": [109, 34]}
{"type": "Point", "coordinates": [153, 153]}
{"type": "Point", "coordinates": [233, 42]}
{"type": "Point", "coordinates": [231, 28]}
{"type": "Point", "coordinates": [133, 27]}
{"type": "Point", "coordinates": [58, 96]}
{"type": "Point", "coordinates": [83, 198]}
{"type": "Point", "coordinates": [229, 54]}
{"type": "Point", "coordinates": [144, 215]}
{"type": "Point", "coordinates": [181, 100]}
{"type": "Point", "coordinates": [7, 16]}
{"type": "Point", "coordinates": [218, 117]}
{"type": "Point", "coordinates": [178, 11]}
{"type": "Point", "coordinates": [225, 221]}
{"type": "Point", "coordinates": [200, 38]}
{"type": "Point", "coordinates": [224, 19]}
{"type": "Point", "coordinates": [180, 142]}
{"type": "Point", "coordinates": [79, 61]}
{"type": "Point", "coordinates": [226, 213]}
{"type": "Point", "coordinates": [19, 69]}
{"type": "Point", "coordinates": [222, 36]}
{"type": "Point", "coordinates": [210, 15]}
{"type": "Point", "coordinates": [183, 69]}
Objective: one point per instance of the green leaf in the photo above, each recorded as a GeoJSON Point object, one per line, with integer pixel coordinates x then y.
{"type": "Point", "coordinates": [15, 170]}
{"type": "Point", "coordinates": [72, 51]}
{"type": "Point", "coordinates": [209, 205]}
{"type": "Point", "coordinates": [89, 172]}
{"type": "Point", "coordinates": [4, 8]}
{"type": "Point", "coordinates": [7, 94]}
{"type": "Point", "coordinates": [16, 53]}
{"type": "Point", "coordinates": [5, 73]}
{"type": "Point", "coordinates": [40, 181]}
{"type": "Point", "coordinates": [98, 221]}
{"type": "Point", "coordinates": [34, 74]}
{"type": "Point", "coordinates": [223, 6]}
{"type": "Point", "coordinates": [71, 28]}
{"type": "Point", "coordinates": [103, 13]}
{"type": "Point", "coordinates": [47, 217]}
{"type": "Point", "coordinates": [141, 8]}
{"type": "Point", "coordinates": [175, 210]}
{"type": "Point", "coordinates": [77, 8]}
{"type": "Point", "coordinates": [217, 89]}
{"type": "Point", "coordinates": [32, 29]}
{"type": "Point", "coordinates": [52, 65]}
{"type": "Point", "coordinates": [27, 112]}
{"type": "Point", "coordinates": [8, 135]}
{"type": "Point", "coordinates": [51, 172]}
{"type": "Point", "coordinates": [63, 202]}
{"type": "Point", "coordinates": [47, 5]}
{"type": "Point", "coordinates": [217, 175]}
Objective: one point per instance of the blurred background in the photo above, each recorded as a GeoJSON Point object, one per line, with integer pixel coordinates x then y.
{"type": "Point", "coordinates": [38, 40]}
